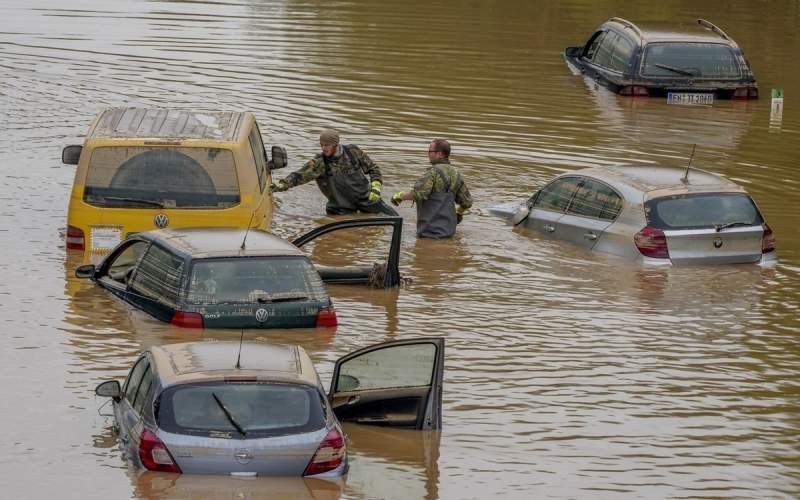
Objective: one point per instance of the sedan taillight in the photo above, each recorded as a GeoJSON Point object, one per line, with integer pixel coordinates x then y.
{"type": "Point", "coordinates": [75, 238]}
{"type": "Point", "coordinates": [652, 242]}
{"type": "Point", "coordinates": [326, 317]}
{"type": "Point", "coordinates": [745, 93]}
{"type": "Point", "coordinates": [187, 319]}
{"type": "Point", "coordinates": [767, 240]}
{"type": "Point", "coordinates": [634, 91]}
{"type": "Point", "coordinates": [329, 455]}
{"type": "Point", "coordinates": [155, 455]}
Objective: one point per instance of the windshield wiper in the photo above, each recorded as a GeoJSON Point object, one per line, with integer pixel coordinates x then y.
{"type": "Point", "coordinates": [140, 201]}
{"type": "Point", "coordinates": [674, 69]}
{"type": "Point", "coordinates": [720, 227]}
{"type": "Point", "coordinates": [281, 298]}
{"type": "Point", "coordinates": [230, 417]}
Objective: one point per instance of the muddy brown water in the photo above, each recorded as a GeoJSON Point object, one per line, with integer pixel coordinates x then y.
{"type": "Point", "coordinates": [568, 374]}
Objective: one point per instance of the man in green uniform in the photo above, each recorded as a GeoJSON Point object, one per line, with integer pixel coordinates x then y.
{"type": "Point", "coordinates": [437, 193]}
{"type": "Point", "coordinates": [341, 173]}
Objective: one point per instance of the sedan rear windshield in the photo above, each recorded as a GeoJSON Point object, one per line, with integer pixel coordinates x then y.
{"type": "Point", "coordinates": [240, 409]}
{"type": "Point", "coordinates": [711, 210]}
{"type": "Point", "coordinates": [160, 177]}
{"type": "Point", "coordinates": [690, 60]}
{"type": "Point", "coordinates": [255, 279]}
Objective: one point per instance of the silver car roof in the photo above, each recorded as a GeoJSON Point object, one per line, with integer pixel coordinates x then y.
{"type": "Point", "coordinates": [224, 241]}
{"type": "Point", "coordinates": [167, 124]}
{"type": "Point", "coordinates": [191, 362]}
{"type": "Point", "coordinates": [656, 181]}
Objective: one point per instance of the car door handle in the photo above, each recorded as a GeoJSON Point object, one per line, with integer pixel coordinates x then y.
{"type": "Point", "coordinates": [549, 228]}
{"type": "Point", "coordinates": [590, 236]}
{"type": "Point", "coordinates": [352, 400]}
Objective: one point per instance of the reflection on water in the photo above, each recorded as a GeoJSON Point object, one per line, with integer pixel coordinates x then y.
{"type": "Point", "coordinates": [567, 373]}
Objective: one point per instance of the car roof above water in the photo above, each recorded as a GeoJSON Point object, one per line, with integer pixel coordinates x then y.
{"type": "Point", "coordinates": [166, 124]}
{"type": "Point", "coordinates": [655, 181]}
{"type": "Point", "coordinates": [673, 32]}
{"type": "Point", "coordinates": [201, 242]}
{"type": "Point", "coordinates": [209, 361]}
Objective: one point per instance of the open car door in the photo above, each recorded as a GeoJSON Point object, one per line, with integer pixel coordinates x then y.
{"type": "Point", "coordinates": [397, 384]}
{"type": "Point", "coordinates": [383, 276]}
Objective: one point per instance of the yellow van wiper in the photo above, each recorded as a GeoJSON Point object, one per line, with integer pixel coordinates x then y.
{"type": "Point", "coordinates": [230, 417]}
{"type": "Point", "coordinates": [674, 69]}
{"type": "Point", "coordinates": [151, 203]}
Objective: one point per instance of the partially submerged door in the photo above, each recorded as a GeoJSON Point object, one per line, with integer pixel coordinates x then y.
{"type": "Point", "coordinates": [381, 275]}
{"type": "Point", "coordinates": [397, 384]}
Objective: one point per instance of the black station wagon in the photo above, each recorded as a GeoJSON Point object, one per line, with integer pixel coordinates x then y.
{"type": "Point", "coordinates": [688, 64]}
{"type": "Point", "coordinates": [232, 278]}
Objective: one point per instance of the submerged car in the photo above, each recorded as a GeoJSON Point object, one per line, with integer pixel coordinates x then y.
{"type": "Point", "coordinates": [688, 64]}
{"type": "Point", "coordinates": [141, 169]}
{"type": "Point", "coordinates": [256, 409]}
{"type": "Point", "coordinates": [233, 278]}
{"type": "Point", "coordinates": [657, 215]}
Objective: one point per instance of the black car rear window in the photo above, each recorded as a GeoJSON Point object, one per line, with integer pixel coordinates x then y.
{"type": "Point", "coordinates": [700, 211]}
{"type": "Point", "coordinates": [259, 409]}
{"type": "Point", "coordinates": [252, 279]}
{"type": "Point", "coordinates": [165, 177]}
{"type": "Point", "coordinates": [690, 60]}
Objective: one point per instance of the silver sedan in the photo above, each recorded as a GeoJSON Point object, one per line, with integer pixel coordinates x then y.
{"type": "Point", "coordinates": [657, 215]}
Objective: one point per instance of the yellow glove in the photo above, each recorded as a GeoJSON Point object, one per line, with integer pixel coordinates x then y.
{"type": "Point", "coordinates": [397, 198]}
{"type": "Point", "coordinates": [375, 191]}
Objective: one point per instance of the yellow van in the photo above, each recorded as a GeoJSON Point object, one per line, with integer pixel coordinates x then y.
{"type": "Point", "coordinates": [142, 169]}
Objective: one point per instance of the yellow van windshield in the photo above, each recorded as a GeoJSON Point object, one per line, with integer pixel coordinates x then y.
{"type": "Point", "coordinates": [161, 177]}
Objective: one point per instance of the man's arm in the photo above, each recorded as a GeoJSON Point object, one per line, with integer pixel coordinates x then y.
{"type": "Point", "coordinates": [463, 196]}
{"type": "Point", "coordinates": [424, 186]}
{"type": "Point", "coordinates": [307, 173]}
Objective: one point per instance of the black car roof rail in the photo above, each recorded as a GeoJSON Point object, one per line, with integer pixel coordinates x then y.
{"type": "Point", "coordinates": [627, 23]}
{"type": "Point", "coordinates": [713, 27]}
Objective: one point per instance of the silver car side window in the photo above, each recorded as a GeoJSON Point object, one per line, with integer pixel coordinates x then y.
{"type": "Point", "coordinates": [391, 367]}
{"type": "Point", "coordinates": [557, 195]}
{"type": "Point", "coordinates": [595, 199]}
{"type": "Point", "coordinates": [135, 378]}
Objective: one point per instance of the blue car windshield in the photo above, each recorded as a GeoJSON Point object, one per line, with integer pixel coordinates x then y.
{"type": "Point", "coordinates": [247, 409]}
{"type": "Point", "coordinates": [255, 279]}
{"type": "Point", "coordinates": [690, 60]}
{"type": "Point", "coordinates": [702, 211]}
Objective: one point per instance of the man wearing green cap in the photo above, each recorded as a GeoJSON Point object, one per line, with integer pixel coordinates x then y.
{"type": "Point", "coordinates": [346, 176]}
{"type": "Point", "coordinates": [441, 195]}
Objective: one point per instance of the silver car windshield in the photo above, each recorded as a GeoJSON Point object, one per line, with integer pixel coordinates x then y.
{"type": "Point", "coordinates": [693, 60]}
{"type": "Point", "coordinates": [710, 210]}
{"type": "Point", "coordinates": [255, 279]}
{"type": "Point", "coordinates": [240, 410]}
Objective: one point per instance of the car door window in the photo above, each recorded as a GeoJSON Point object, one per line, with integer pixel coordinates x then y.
{"type": "Point", "coordinates": [144, 391]}
{"type": "Point", "coordinates": [257, 147]}
{"type": "Point", "coordinates": [158, 276]}
{"type": "Point", "coordinates": [393, 367]}
{"type": "Point", "coordinates": [593, 44]}
{"type": "Point", "coordinates": [557, 195]}
{"type": "Point", "coordinates": [122, 265]}
{"type": "Point", "coordinates": [595, 199]}
{"type": "Point", "coordinates": [134, 379]}
{"type": "Point", "coordinates": [621, 55]}
{"type": "Point", "coordinates": [603, 55]}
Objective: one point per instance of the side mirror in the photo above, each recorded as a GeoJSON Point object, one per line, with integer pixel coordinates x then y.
{"type": "Point", "coordinates": [278, 158]}
{"type": "Point", "coordinates": [573, 51]}
{"type": "Point", "coordinates": [71, 154]}
{"type": "Point", "coordinates": [109, 389]}
{"type": "Point", "coordinates": [85, 271]}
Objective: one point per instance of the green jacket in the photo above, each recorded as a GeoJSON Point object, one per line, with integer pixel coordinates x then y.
{"type": "Point", "coordinates": [315, 168]}
{"type": "Point", "coordinates": [431, 182]}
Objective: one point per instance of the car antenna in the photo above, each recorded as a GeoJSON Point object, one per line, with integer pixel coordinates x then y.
{"type": "Point", "coordinates": [239, 356]}
{"type": "Point", "coordinates": [247, 231]}
{"type": "Point", "coordinates": [685, 178]}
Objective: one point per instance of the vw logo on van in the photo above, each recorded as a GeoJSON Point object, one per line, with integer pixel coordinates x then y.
{"type": "Point", "coordinates": [262, 315]}
{"type": "Point", "coordinates": [161, 221]}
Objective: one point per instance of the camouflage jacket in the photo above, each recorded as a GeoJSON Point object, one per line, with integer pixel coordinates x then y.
{"type": "Point", "coordinates": [315, 168]}
{"type": "Point", "coordinates": [432, 182]}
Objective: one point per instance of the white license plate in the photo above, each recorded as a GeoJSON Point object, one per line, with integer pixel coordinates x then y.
{"type": "Point", "coordinates": [105, 238]}
{"type": "Point", "coordinates": [689, 98]}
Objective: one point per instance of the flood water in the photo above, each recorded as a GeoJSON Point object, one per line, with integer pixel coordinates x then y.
{"type": "Point", "coordinates": [568, 374]}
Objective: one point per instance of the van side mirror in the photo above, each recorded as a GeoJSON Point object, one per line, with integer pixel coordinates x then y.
{"type": "Point", "coordinates": [278, 158]}
{"type": "Point", "coordinates": [71, 154]}
{"type": "Point", "coordinates": [109, 389]}
{"type": "Point", "coordinates": [85, 271]}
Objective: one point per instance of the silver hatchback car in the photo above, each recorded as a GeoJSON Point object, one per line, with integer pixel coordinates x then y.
{"type": "Point", "coordinates": [256, 409]}
{"type": "Point", "coordinates": [657, 215]}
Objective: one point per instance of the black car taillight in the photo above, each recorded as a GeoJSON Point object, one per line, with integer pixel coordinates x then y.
{"type": "Point", "coordinates": [75, 238]}
{"type": "Point", "coordinates": [652, 242]}
{"type": "Point", "coordinates": [329, 455]}
{"type": "Point", "coordinates": [155, 455]}
{"type": "Point", "coordinates": [745, 93]}
{"type": "Point", "coordinates": [187, 319]}
{"type": "Point", "coordinates": [767, 240]}
{"type": "Point", "coordinates": [634, 91]}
